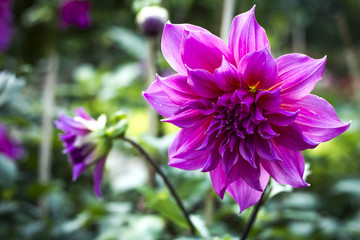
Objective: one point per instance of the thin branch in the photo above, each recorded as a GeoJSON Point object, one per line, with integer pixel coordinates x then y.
{"type": "Point", "coordinates": [166, 180]}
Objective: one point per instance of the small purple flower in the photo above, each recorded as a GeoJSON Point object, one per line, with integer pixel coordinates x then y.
{"type": "Point", "coordinates": [6, 28]}
{"type": "Point", "coordinates": [75, 12]}
{"type": "Point", "coordinates": [85, 143]}
{"type": "Point", "coordinates": [244, 116]}
{"type": "Point", "coordinates": [9, 147]}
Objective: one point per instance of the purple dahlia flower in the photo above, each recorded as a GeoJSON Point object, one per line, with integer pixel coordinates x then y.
{"type": "Point", "coordinates": [244, 116]}
{"type": "Point", "coordinates": [85, 143]}
{"type": "Point", "coordinates": [6, 28]}
{"type": "Point", "coordinates": [9, 146]}
{"type": "Point", "coordinates": [75, 12]}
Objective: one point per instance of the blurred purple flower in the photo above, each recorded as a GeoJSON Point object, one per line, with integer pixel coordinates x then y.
{"type": "Point", "coordinates": [75, 12]}
{"type": "Point", "coordinates": [85, 143]}
{"type": "Point", "coordinates": [243, 114]}
{"type": "Point", "coordinates": [6, 28]}
{"type": "Point", "coordinates": [9, 146]}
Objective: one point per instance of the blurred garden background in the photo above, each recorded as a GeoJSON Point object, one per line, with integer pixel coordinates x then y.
{"type": "Point", "coordinates": [48, 68]}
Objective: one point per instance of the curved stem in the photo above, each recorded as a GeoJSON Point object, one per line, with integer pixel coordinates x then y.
{"type": "Point", "coordinates": [166, 180]}
{"type": "Point", "coordinates": [253, 216]}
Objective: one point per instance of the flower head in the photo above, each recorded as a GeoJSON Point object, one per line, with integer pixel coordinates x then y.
{"type": "Point", "coordinates": [6, 28]}
{"type": "Point", "coordinates": [244, 116]}
{"type": "Point", "coordinates": [9, 147]}
{"type": "Point", "coordinates": [85, 143]}
{"type": "Point", "coordinates": [75, 12]}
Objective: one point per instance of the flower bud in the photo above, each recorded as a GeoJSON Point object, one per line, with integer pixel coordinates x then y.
{"type": "Point", "coordinates": [151, 20]}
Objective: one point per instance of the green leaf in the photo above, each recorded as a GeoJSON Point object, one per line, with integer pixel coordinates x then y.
{"type": "Point", "coordinates": [129, 41]}
{"type": "Point", "coordinates": [165, 205]}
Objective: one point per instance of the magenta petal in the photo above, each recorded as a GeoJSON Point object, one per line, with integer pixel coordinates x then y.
{"type": "Point", "coordinates": [203, 105]}
{"type": "Point", "coordinates": [177, 89]}
{"type": "Point", "coordinates": [219, 180]}
{"type": "Point", "coordinates": [265, 130]}
{"type": "Point", "coordinates": [98, 175]}
{"type": "Point", "coordinates": [201, 50]}
{"type": "Point", "coordinates": [202, 82]}
{"type": "Point", "coordinates": [246, 35]}
{"type": "Point", "coordinates": [265, 149]}
{"type": "Point", "coordinates": [247, 149]}
{"type": "Point", "coordinates": [185, 119]}
{"type": "Point", "coordinates": [212, 161]}
{"type": "Point", "coordinates": [159, 100]}
{"type": "Point", "coordinates": [244, 195]}
{"type": "Point", "coordinates": [82, 113]}
{"type": "Point", "coordinates": [292, 138]}
{"type": "Point", "coordinates": [182, 151]}
{"type": "Point", "coordinates": [290, 170]}
{"type": "Point", "coordinates": [282, 117]}
{"type": "Point", "coordinates": [269, 100]}
{"type": "Point", "coordinates": [244, 170]}
{"type": "Point", "coordinates": [298, 74]}
{"type": "Point", "coordinates": [171, 42]}
{"type": "Point", "coordinates": [258, 69]}
{"type": "Point", "coordinates": [318, 119]}
{"type": "Point", "coordinates": [229, 160]}
{"type": "Point", "coordinates": [68, 124]}
{"type": "Point", "coordinates": [78, 169]}
{"type": "Point", "coordinates": [226, 76]}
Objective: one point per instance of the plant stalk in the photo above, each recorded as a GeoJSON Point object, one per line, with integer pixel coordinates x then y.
{"type": "Point", "coordinates": [166, 180]}
{"type": "Point", "coordinates": [253, 216]}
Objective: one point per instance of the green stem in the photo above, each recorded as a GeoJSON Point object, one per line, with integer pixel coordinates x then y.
{"type": "Point", "coordinates": [166, 180]}
{"type": "Point", "coordinates": [253, 216]}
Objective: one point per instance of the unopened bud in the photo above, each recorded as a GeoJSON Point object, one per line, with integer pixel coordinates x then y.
{"type": "Point", "coordinates": [151, 20]}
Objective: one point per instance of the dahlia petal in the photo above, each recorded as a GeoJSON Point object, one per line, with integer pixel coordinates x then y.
{"type": "Point", "coordinates": [282, 117]}
{"type": "Point", "coordinates": [247, 150]}
{"type": "Point", "coordinates": [67, 124]}
{"type": "Point", "coordinates": [298, 74]}
{"type": "Point", "coordinates": [226, 76]}
{"type": "Point", "coordinates": [82, 113]}
{"type": "Point", "coordinates": [98, 175]}
{"type": "Point", "coordinates": [185, 119]}
{"type": "Point", "coordinates": [265, 150]}
{"type": "Point", "coordinates": [229, 160]}
{"type": "Point", "coordinates": [78, 169]}
{"type": "Point", "coordinates": [258, 69]}
{"type": "Point", "coordinates": [182, 151]}
{"type": "Point", "coordinates": [290, 170]}
{"type": "Point", "coordinates": [219, 180]}
{"type": "Point", "coordinates": [202, 105]}
{"type": "Point", "coordinates": [177, 89]}
{"type": "Point", "coordinates": [293, 138]}
{"type": "Point", "coordinates": [212, 161]}
{"type": "Point", "coordinates": [171, 42]}
{"type": "Point", "coordinates": [269, 100]}
{"type": "Point", "coordinates": [244, 195]}
{"type": "Point", "coordinates": [202, 82]}
{"type": "Point", "coordinates": [246, 35]}
{"type": "Point", "coordinates": [317, 118]}
{"type": "Point", "coordinates": [201, 50]}
{"type": "Point", "coordinates": [159, 100]}
{"type": "Point", "coordinates": [265, 131]}
{"type": "Point", "coordinates": [242, 169]}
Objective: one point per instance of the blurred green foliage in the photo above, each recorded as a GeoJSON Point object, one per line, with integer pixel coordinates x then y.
{"type": "Point", "coordinates": [103, 69]}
